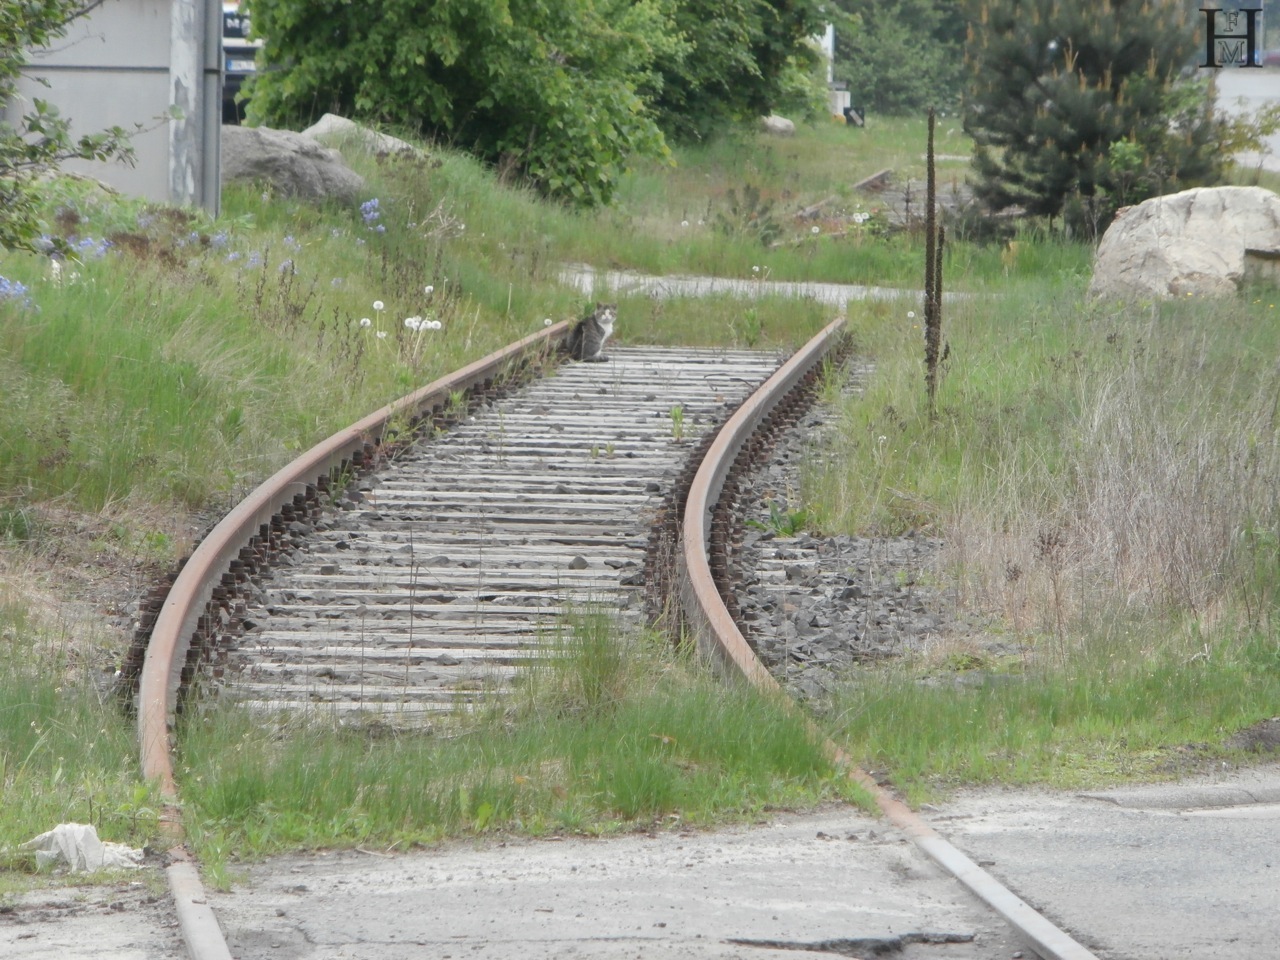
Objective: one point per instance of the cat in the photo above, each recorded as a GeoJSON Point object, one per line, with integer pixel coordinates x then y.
{"type": "Point", "coordinates": [586, 340]}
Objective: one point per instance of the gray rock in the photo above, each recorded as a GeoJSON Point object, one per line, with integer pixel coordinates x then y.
{"type": "Point", "coordinates": [1200, 242]}
{"type": "Point", "coordinates": [290, 163]}
{"type": "Point", "coordinates": [340, 131]}
{"type": "Point", "coordinates": [777, 126]}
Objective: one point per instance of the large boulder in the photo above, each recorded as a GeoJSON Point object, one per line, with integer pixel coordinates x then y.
{"type": "Point", "coordinates": [292, 164]}
{"type": "Point", "coordinates": [1202, 242]}
{"type": "Point", "coordinates": [340, 131]}
{"type": "Point", "coordinates": [777, 126]}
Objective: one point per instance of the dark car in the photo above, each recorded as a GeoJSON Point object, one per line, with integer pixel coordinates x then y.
{"type": "Point", "coordinates": [239, 55]}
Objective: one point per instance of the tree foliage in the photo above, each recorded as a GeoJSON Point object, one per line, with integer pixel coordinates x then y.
{"type": "Point", "coordinates": [902, 57]}
{"type": "Point", "coordinates": [1080, 108]}
{"type": "Point", "coordinates": [565, 92]}
{"type": "Point", "coordinates": [738, 60]}
{"type": "Point", "coordinates": [41, 140]}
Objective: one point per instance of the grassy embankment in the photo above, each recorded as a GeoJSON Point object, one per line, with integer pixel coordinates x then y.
{"type": "Point", "coordinates": [156, 380]}
{"type": "Point", "coordinates": [1065, 432]}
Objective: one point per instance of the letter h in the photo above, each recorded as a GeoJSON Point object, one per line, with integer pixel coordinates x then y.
{"type": "Point", "coordinates": [1250, 36]}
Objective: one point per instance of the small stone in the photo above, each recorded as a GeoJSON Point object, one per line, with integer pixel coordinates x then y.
{"type": "Point", "coordinates": [328, 569]}
{"type": "Point", "coordinates": [578, 563]}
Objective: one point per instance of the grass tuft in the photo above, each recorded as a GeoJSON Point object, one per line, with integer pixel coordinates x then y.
{"type": "Point", "coordinates": [611, 732]}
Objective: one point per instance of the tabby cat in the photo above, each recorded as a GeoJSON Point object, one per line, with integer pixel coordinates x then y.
{"type": "Point", "coordinates": [586, 340]}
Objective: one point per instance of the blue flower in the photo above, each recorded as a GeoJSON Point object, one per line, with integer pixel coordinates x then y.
{"type": "Point", "coordinates": [14, 290]}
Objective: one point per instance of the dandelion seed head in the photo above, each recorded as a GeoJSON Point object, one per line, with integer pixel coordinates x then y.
{"type": "Point", "coordinates": [429, 289]}
{"type": "Point", "coordinates": [382, 334]}
{"type": "Point", "coordinates": [379, 305]}
{"type": "Point", "coordinates": [814, 231]}
{"type": "Point", "coordinates": [911, 314]}
{"type": "Point", "coordinates": [366, 322]}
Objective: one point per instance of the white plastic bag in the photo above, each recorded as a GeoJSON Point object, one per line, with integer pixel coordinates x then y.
{"type": "Point", "coordinates": [76, 845]}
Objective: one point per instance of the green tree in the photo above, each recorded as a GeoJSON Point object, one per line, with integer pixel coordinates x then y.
{"type": "Point", "coordinates": [547, 88]}
{"type": "Point", "coordinates": [739, 60]}
{"type": "Point", "coordinates": [41, 140]}
{"type": "Point", "coordinates": [564, 92]}
{"type": "Point", "coordinates": [1079, 108]}
{"type": "Point", "coordinates": [903, 56]}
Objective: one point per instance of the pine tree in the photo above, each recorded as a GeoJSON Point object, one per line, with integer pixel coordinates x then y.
{"type": "Point", "coordinates": [1080, 108]}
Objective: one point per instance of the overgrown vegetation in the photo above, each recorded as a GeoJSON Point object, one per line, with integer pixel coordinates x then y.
{"type": "Point", "coordinates": [565, 94]}
{"type": "Point", "coordinates": [65, 753]}
{"type": "Point", "coordinates": [606, 732]}
{"type": "Point", "coordinates": [1101, 474]}
{"type": "Point", "coordinates": [1105, 479]}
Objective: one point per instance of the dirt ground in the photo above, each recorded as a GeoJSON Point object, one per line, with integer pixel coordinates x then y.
{"type": "Point", "coordinates": [123, 919]}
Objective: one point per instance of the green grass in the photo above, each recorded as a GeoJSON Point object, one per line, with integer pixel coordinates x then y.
{"type": "Point", "coordinates": [608, 733]}
{"type": "Point", "coordinates": [1101, 474]}
{"type": "Point", "coordinates": [67, 752]}
{"type": "Point", "coordinates": [1105, 479]}
{"type": "Point", "coordinates": [1113, 712]}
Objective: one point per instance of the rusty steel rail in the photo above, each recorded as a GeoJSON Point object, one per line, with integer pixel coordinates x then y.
{"type": "Point", "coordinates": [234, 545]}
{"type": "Point", "coordinates": [706, 598]}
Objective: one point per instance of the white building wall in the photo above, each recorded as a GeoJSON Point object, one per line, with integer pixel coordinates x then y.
{"type": "Point", "coordinates": [124, 65]}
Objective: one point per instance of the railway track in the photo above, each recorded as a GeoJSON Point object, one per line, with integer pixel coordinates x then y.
{"type": "Point", "coordinates": [428, 587]}
{"type": "Point", "coordinates": [410, 590]}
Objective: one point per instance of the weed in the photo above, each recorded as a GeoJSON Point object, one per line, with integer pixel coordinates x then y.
{"type": "Point", "coordinates": [783, 522]}
{"type": "Point", "coordinates": [677, 423]}
{"type": "Point", "coordinates": [749, 215]}
{"type": "Point", "coordinates": [607, 730]}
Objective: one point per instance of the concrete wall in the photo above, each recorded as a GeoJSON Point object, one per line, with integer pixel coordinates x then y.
{"type": "Point", "coordinates": [126, 64]}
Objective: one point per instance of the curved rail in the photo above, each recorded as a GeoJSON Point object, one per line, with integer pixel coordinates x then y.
{"type": "Point", "coordinates": [179, 617]}
{"type": "Point", "coordinates": [719, 639]}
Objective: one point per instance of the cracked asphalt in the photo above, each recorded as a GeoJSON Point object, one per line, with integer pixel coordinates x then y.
{"type": "Point", "coordinates": [1183, 871]}
{"type": "Point", "coordinates": [836, 881]}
